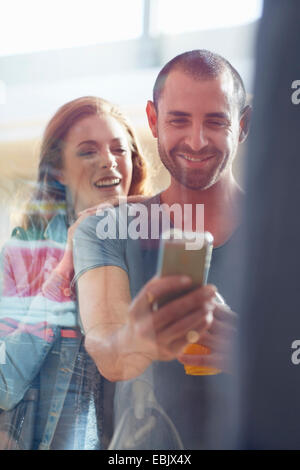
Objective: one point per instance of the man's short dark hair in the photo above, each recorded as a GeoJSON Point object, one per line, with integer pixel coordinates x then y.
{"type": "Point", "coordinates": [201, 65]}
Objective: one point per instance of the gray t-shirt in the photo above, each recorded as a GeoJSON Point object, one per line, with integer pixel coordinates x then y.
{"type": "Point", "coordinates": [186, 411]}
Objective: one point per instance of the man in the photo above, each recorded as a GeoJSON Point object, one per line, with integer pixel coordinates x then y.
{"type": "Point", "coordinates": [198, 116]}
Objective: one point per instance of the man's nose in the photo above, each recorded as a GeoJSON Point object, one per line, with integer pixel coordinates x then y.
{"type": "Point", "coordinates": [197, 138]}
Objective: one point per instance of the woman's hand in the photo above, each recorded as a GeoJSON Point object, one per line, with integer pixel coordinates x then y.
{"type": "Point", "coordinates": [116, 201]}
{"type": "Point", "coordinates": [65, 267]}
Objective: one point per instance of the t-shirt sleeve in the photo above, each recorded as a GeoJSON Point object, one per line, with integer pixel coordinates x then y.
{"type": "Point", "coordinates": [97, 243]}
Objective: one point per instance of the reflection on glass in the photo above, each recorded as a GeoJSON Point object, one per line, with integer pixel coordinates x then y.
{"type": "Point", "coordinates": [74, 23]}
{"type": "Point", "coordinates": [196, 15]}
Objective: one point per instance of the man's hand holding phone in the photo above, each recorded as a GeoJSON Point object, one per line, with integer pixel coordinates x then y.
{"type": "Point", "coordinates": [210, 351]}
{"type": "Point", "coordinates": [160, 333]}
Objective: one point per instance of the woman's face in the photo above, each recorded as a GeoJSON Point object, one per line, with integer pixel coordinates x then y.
{"type": "Point", "coordinates": [97, 163]}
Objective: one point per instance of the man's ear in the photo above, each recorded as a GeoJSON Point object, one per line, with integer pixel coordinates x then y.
{"type": "Point", "coordinates": [245, 123]}
{"type": "Point", "coordinates": [152, 117]}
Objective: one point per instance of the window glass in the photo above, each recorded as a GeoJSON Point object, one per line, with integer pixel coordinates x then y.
{"type": "Point", "coordinates": [34, 25]}
{"type": "Point", "coordinates": [176, 16]}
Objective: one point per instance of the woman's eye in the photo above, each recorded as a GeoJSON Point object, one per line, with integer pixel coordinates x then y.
{"type": "Point", "coordinates": [87, 153]}
{"type": "Point", "coordinates": [120, 150]}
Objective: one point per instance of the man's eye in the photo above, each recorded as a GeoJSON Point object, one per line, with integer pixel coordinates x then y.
{"type": "Point", "coordinates": [178, 121]}
{"type": "Point", "coordinates": [216, 123]}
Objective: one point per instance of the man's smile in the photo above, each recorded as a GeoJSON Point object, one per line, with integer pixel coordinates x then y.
{"type": "Point", "coordinates": [193, 159]}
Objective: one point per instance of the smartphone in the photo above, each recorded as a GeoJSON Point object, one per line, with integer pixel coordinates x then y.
{"type": "Point", "coordinates": [174, 258]}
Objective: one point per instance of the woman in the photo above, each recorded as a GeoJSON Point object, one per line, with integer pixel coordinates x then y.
{"type": "Point", "coordinates": [89, 155]}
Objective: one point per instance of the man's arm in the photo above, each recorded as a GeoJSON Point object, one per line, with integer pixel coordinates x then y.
{"type": "Point", "coordinates": [104, 300]}
{"type": "Point", "coordinates": [124, 337]}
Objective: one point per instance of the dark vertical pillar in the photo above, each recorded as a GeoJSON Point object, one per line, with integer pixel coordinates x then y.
{"type": "Point", "coordinates": [268, 382]}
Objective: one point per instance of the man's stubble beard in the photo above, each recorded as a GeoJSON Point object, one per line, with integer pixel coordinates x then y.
{"type": "Point", "coordinates": [194, 179]}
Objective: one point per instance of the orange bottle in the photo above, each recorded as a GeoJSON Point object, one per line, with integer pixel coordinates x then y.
{"type": "Point", "coordinates": [198, 370]}
{"type": "Point", "coordinates": [193, 348]}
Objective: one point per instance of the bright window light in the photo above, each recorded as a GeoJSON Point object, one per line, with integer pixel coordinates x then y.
{"type": "Point", "coordinates": [178, 16]}
{"type": "Point", "coordinates": [38, 25]}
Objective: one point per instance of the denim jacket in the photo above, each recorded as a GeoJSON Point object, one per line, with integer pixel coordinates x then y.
{"type": "Point", "coordinates": [43, 344]}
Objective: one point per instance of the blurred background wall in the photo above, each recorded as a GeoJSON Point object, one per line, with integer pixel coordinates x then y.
{"type": "Point", "coordinates": [54, 51]}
